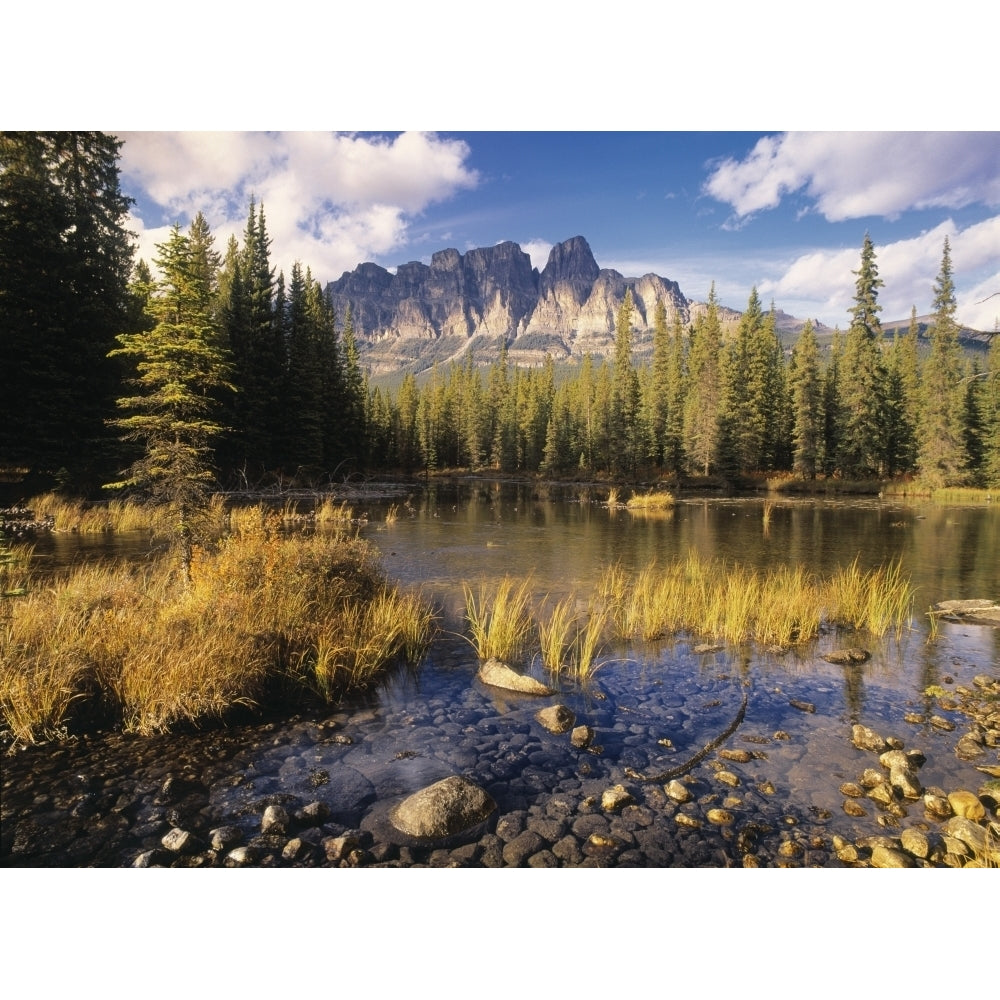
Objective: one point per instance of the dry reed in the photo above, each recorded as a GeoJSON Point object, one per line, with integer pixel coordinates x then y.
{"type": "Point", "coordinates": [500, 623]}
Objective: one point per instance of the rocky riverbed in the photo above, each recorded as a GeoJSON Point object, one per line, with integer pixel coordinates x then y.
{"type": "Point", "coordinates": [808, 777]}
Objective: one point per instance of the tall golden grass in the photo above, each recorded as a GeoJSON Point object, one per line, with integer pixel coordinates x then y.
{"type": "Point", "coordinates": [266, 613]}
{"type": "Point", "coordinates": [653, 501]}
{"type": "Point", "coordinates": [500, 622]}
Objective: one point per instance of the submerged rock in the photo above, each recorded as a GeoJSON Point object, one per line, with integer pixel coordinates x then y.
{"type": "Point", "coordinates": [867, 739]}
{"type": "Point", "coordinates": [556, 718]}
{"type": "Point", "coordinates": [846, 657]}
{"type": "Point", "coordinates": [498, 674]}
{"type": "Point", "coordinates": [446, 808]}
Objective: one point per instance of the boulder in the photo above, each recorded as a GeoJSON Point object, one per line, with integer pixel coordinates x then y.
{"type": "Point", "coordinates": [446, 808]}
{"type": "Point", "coordinates": [867, 739]}
{"type": "Point", "coordinates": [499, 675]}
{"type": "Point", "coordinates": [556, 718]}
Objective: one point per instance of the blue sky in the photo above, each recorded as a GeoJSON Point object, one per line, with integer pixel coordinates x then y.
{"type": "Point", "coordinates": [785, 212]}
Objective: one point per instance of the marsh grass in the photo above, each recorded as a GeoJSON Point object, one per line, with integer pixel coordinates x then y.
{"type": "Point", "coordinates": [392, 514]}
{"type": "Point", "coordinates": [500, 622]}
{"type": "Point", "coordinates": [614, 497]}
{"type": "Point", "coordinates": [267, 614]}
{"type": "Point", "coordinates": [571, 641]}
{"type": "Point", "coordinates": [737, 604]}
{"type": "Point", "coordinates": [656, 500]}
{"type": "Point", "coordinates": [93, 518]}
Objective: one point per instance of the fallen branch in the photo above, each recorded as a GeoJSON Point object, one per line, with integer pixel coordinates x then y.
{"type": "Point", "coordinates": [676, 772]}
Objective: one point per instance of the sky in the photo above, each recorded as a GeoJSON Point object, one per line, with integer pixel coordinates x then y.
{"type": "Point", "coordinates": [785, 212]}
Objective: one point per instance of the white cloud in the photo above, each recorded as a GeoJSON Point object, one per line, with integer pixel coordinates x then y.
{"type": "Point", "coordinates": [538, 251]}
{"type": "Point", "coordinates": [330, 200]}
{"type": "Point", "coordinates": [821, 283]}
{"type": "Point", "coordinates": [849, 175]}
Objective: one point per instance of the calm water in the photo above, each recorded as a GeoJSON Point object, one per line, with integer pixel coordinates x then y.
{"type": "Point", "coordinates": [446, 722]}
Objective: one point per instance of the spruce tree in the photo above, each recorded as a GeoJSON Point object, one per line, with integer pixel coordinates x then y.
{"type": "Point", "coordinates": [941, 454]}
{"type": "Point", "coordinates": [702, 425]}
{"type": "Point", "coordinates": [863, 385]}
{"type": "Point", "coordinates": [807, 404]}
{"type": "Point", "coordinates": [179, 367]}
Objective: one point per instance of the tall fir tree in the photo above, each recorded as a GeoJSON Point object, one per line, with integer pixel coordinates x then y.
{"type": "Point", "coordinates": [702, 424]}
{"type": "Point", "coordinates": [807, 404]}
{"type": "Point", "coordinates": [65, 265]}
{"type": "Point", "coordinates": [941, 453]}
{"type": "Point", "coordinates": [180, 365]}
{"type": "Point", "coordinates": [862, 444]}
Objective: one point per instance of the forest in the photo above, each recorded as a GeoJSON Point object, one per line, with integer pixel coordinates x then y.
{"type": "Point", "coordinates": [211, 369]}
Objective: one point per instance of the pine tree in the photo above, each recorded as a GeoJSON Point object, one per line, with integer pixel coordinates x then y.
{"type": "Point", "coordinates": [941, 454]}
{"type": "Point", "coordinates": [179, 368]}
{"type": "Point", "coordinates": [65, 265]}
{"type": "Point", "coordinates": [990, 403]}
{"type": "Point", "coordinates": [624, 424]}
{"type": "Point", "coordinates": [807, 403]}
{"type": "Point", "coordinates": [863, 384]}
{"type": "Point", "coordinates": [702, 425]}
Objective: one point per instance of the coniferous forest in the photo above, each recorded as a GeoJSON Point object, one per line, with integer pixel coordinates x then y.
{"type": "Point", "coordinates": [212, 368]}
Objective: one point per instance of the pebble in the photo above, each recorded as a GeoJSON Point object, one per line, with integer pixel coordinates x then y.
{"type": "Point", "coordinates": [722, 817]}
{"type": "Point", "coordinates": [887, 857]}
{"type": "Point", "coordinates": [854, 808]}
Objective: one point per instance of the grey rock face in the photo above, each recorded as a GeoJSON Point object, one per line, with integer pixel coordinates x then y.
{"type": "Point", "coordinates": [493, 296]}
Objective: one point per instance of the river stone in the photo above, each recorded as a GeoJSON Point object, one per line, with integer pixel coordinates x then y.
{"type": "Point", "coordinates": [222, 838]}
{"type": "Point", "coordinates": [845, 657]}
{"type": "Point", "coordinates": [446, 808]}
{"type": "Point", "coordinates": [938, 806]}
{"type": "Point", "coordinates": [678, 791]}
{"type": "Point", "coordinates": [905, 782]}
{"type": "Point", "coordinates": [893, 758]}
{"type": "Point", "coordinates": [916, 842]}
{"type": "Point", "coordinates": [692, 822]}
{"type": "Point", "coordinates": [853, 808]}
{"type": "Point", "coordinates": [556, 718]}
{"type": "Point", "coordinates": [939, 722]}
{"type": "Point", "coordinates": [867, 739]}
{"type": "Point", "coordinates": [181, 841]}
{"type": "Point", "coordinates": [966, 831]}
{"type": "Point", "coordinates": [498, 674]}
{"type": "Point", "coordinates": [275, 820]}
{"type": "Point", "coordinates": [582, 736]}
{"type": "Point", "coordinates": [852, 790]}
{"type": "Point", "coordinates": [968, 748]}
{"type": "Point", "coordinates": [887, 857]}
{"type": "Point", "coordinates": [870, 778]}
{"type": "Point", "coordinates": [240, 857]}
{"type": "Point", "coordinates": [721, 817]}
{"type": "Point", "coordinates": [615, 799]}
{"type": "Point", "coordinates": [738, 756]}
{"type": "Point", "coordinates": [882, 793]}
{"type": "Point", "coordinates": [967, 804]}
{"type": "Point", "coordinates": [727, 778]}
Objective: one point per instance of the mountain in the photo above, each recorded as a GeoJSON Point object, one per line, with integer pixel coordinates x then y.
{"type": "Point", "coordinates": [490, 296]}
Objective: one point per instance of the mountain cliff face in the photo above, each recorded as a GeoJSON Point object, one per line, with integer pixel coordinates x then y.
{"type": "Point", "coordinates": [492, 296]}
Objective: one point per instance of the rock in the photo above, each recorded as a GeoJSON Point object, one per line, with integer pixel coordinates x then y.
{"type": "Point", "coordinates": [967, 804]}
{"type": "Point", "coordinates": [296, 849]}
{"type": "Point", "coordinates": [615, 799]}
{"type": "Point", "coordinates": [339, 848]}
{"type": "Point", "coordinates": [153, 859]}
{"type": "Point", "coordinates": [870, 778]}
{"type": "Point", "coordinates": [727, 778]}
{"type": "Point", "coordinates": [938, 806]}
{"type": "Point", "coordinates": [223, 838]}
{"type": "Point", "coordinates": [499, 675]}
{"type": "Point", "coordinates": [522, 847]}
{"type": "Point", "coordinates": [790, 849]}
{"type": "Point", "coordinates": [886, 857]}
{"type": "Point", "coordinates": [939, 722]}
{"type": "Point", "coordinates": [738, 756]}
{"type": "Point", "coordinates": [905, 782]}
{"type": "Point", "coordinates": [882, 793]}
{"type": "Point", "coordinates": [556, 718]}
{"type": "Point", "coordinates": [846, 657]}
{"type": "Point", "coordinates": [691, 822]}
{"type": "Point", "coordinates": [867, 739]}
{"type": "Point", "coordinates": [802, 706]}
{"type": "Point", "coordinates": [678, 791]}
{"type": "Point", "coordinates": [707, 647]}
{"type": "Point", "coordinates": [852, 790]}
{"type": "Point", "coordinates": [241, 857]}
{"type": "Point", "coordinates": [971, 834]}
{"type": "Point", "coordinates": [919, 843]}
{"type": "Point", "coordinates": [721, 817]}
{"type": "Point", "coordinates": [582, 736]}
{"type": "Point", "coordinates": [181, 841]}
{"type": "Point", "coordinates": [275, 820]}
{"type": "Point", "coordinates": [854, 808]}
{"type": "Point", "coordinates": [444, 809]}
{"type": "Point", "coordinates": [312, 814]}
{"type": "Point", "coordinates": [968, 748]}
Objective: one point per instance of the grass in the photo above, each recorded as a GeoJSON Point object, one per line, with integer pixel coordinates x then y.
{"type": "Point", "coordinates": [656, 500]}
{"type": "Point", "coordinates": [500, 623]}
{"type": "Point", "coordinates": [736, 604]}
{"type": "Point", "coordinates": [268, 615]}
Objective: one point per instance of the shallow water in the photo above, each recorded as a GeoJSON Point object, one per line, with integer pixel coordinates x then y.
{"type": "Point", "coordinates": [439, 720]}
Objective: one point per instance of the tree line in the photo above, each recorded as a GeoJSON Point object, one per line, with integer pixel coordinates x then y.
{"type": "Point", "coordinates": [217, 369]}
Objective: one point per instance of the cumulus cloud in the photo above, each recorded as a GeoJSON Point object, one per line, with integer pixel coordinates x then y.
{"type": "Point", "coordinates": [538, 251]}
{"type": "Point", "coordinates": [821, 284]}
{"type": "Point", "coordinates": [850, 175]}
{"type": "Point", "coordinates": [330, 200]}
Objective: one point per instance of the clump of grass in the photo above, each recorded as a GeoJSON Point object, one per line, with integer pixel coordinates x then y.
{"type": "Point", "coordinates": [500, 623]}
{"type": "Point", "coordinates": [878, 600]}
{"type": "Point", "coordinates": [614, 497]}
{"type": "Point", "coordinates": [571, 642]}
{"type": "Point", "coordinates": [392, 514]}
{"type": "Point", "coordinates": [738, 604]}
{"type": "Point", "coordinates": [263, 608]}
{"type": "Point", "coordinates": [555, 634]}
{"type": "Point", "coordinates": [328, 510]}
{"type": "Point", "coordinates": [655, 500]}
{"type": "Point", "coordinates": [766, 514]}
{"type": "Point", "coordinates": [71, 515]}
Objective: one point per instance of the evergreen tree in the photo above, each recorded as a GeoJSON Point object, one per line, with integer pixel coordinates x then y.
{"type": "Point", "coordinates": [673, 432]}
{"type": "Point", "coordinates": [807, 403]}
{"type": "Point", "coordinates": [990, 407]}
{"type": "Point", "coordinates": [702, 425]}
{"type": "Point", "coordinates": [351, 403]}
{"type": "Point", "coordinates": [65, 264]}
{"type": "Point", "coordinates": [659, 386]}
{"type": "Point", "coordinates": [624, 425]}
{"type": "Point", "coordinates": [863, 385]}
{"type": "Point", "coordinates": [179, 367]}
{"type": "Point", "coordinates": [941, 453]}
